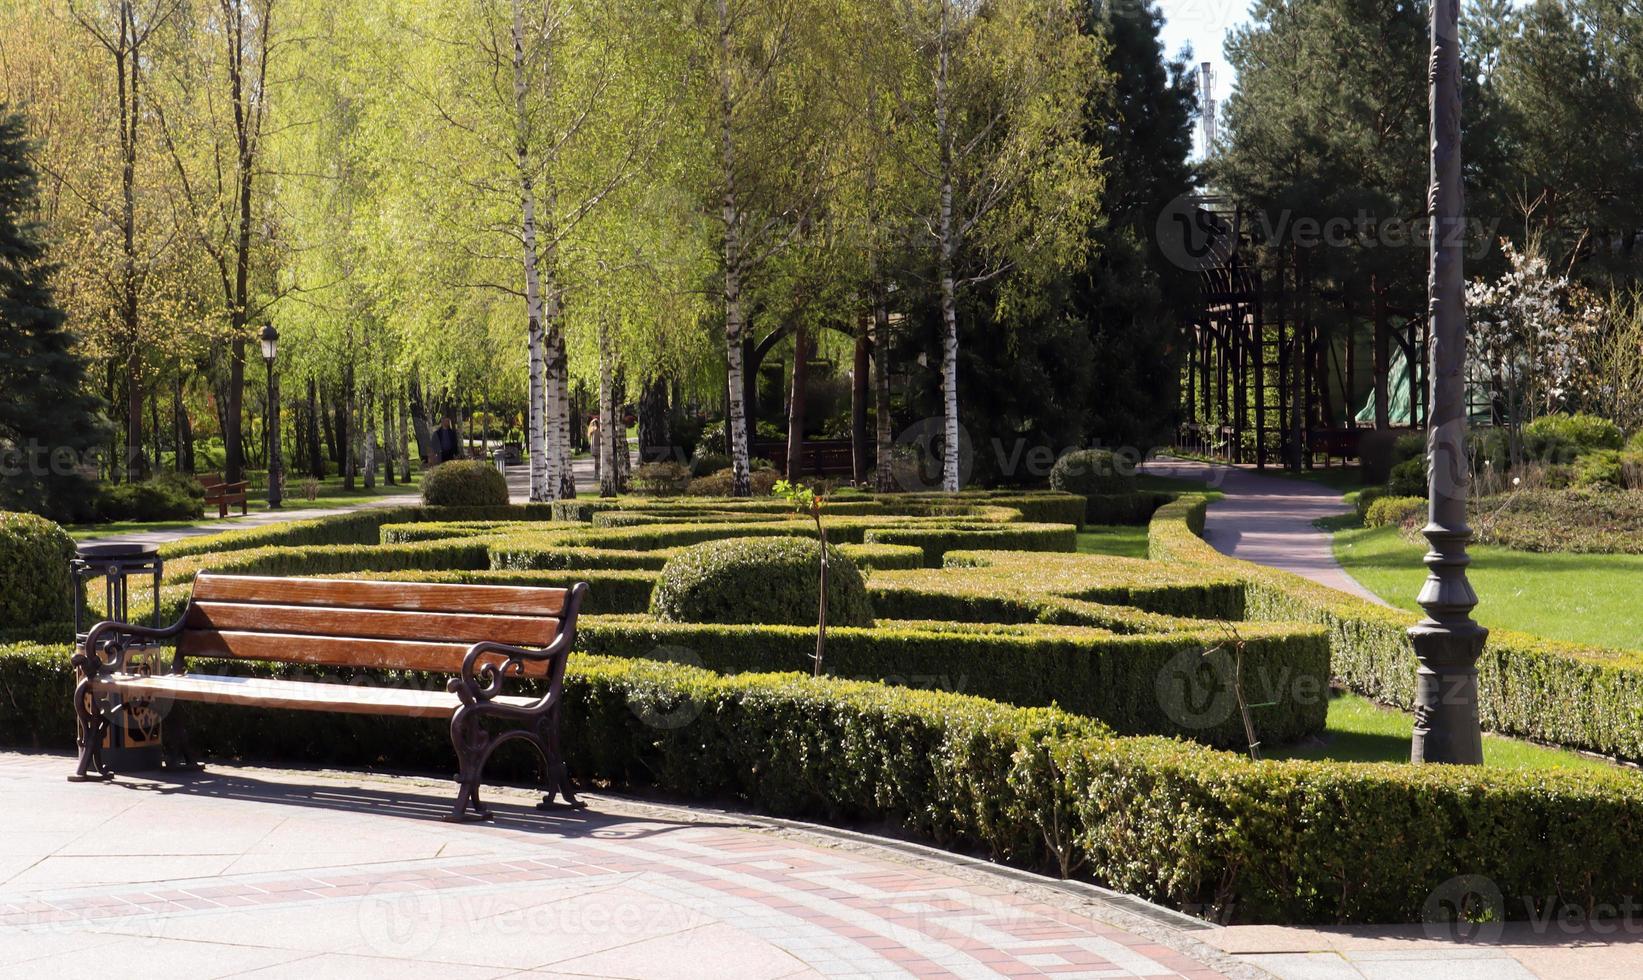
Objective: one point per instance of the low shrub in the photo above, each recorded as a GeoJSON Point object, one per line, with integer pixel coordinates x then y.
{"type": "Point", "coordinates": [1579, 521]}
{"type": "Point", "coordinates": [1600, 469]}
{"type": "Point", "coordinates": [660, 479]}
{"type": "Point", "coordinates": [1088, 471]}
{"type": "Point", "coordinates": [720, 484]}
{"type": "Point", "coordinates": [883, 557]}
{"type": "Point", "coordinates": [1560, 438]}
{"type": "Point", "coordinates": [34, 576]}
{"type": "Point", "coordinates": [759, 580]}
{"type": "Point", "coordinates": [147, 500]}
{"type": "Point", "coordinates": [1361, 500]}
{"type": "Point", "coordinates": [1408, 478]}
{"type": "Point", "coordinates": [464, 483]}
{"type": "Point", "coordinates": [1044, 508]}
{"type": "Point", "coordinates": [1393, 511]}
{"type": "Point", "coordinates": [708, 464]}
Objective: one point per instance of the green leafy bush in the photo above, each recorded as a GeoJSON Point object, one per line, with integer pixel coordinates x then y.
{"type": "Point", "coordinates": [464, 483]}
{"type": "Point", "coordinates": [34, 578]}
{"type": "Point", "coordinates": [1393, 511]}
{"type": "Point", "coordinates": [661, 479]}
{"type": "Point", "coordinates": [1122, 508]}
{"type": "Point", "coordinates": [708, 464]}
{"type": "Point", "coordinates": [759, 580]}
{"type": "Point", "coordinates": [720, 484]}
{"type": "Point", "coordinates": [1088, 471]}
{"type": "Point", "coordinates": [1560, 438]}
{"type": "Point", "coordinates": [937, 540]}
{"type": "Point", "coordinates": [1600, 469]}
{"type": "Point", "coordinates": [1408, 478]}
{"type": "Point", "coordinates": [147, 500]}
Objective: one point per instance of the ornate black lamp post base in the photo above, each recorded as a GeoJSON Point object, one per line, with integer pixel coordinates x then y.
{"type": "Point", "coordinates": [1446, 693]}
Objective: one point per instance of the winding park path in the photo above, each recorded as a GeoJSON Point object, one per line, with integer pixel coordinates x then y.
{"type": "Point", "coordinates": [1268, 520]}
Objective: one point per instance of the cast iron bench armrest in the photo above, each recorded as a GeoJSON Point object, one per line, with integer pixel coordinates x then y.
{"type": "Point", "coordinates": [479, 683]}
{"type": "Point", "coordinates": [89, 658]}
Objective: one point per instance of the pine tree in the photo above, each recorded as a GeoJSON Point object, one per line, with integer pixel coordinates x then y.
{"type": "Point", "coordinates": [48, 424]}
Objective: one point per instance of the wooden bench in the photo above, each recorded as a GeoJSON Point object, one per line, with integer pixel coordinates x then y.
{"type": "Point", "coordinates": [1331, 443]}
{"type": "Point", "coordinates": [222, 493]}
{"type": "Point", "coordinates": [483, 634]}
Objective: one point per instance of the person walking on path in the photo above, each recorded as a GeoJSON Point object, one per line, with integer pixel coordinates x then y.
{"type": "Point", "coordinates": [445, 441]}
{"type": "Point", "coordinates": [593, 443]}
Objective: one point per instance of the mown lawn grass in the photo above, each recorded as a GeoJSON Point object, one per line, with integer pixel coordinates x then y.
{"type": "Point", "coordinates": [1581, 598]}
{"type": "Point", "coordinates": [1113, 539]}
{"type": "Point", "coordinates": [1359, 730]}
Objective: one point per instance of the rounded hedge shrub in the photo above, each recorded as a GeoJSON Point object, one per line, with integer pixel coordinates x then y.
{"type": "Point", "coordinates": [1090, 471]}
{"type": "Point", "coordinates": [1409, 478]}
{"type": "Point", "coordinates": [34, 579]}
{"type": "Point", "coordinates": [149, 500]}
{"type": "Point", "coordinates": [464, 483]}
{"type": "Point", "coordinates": [708, 464]}
{"type": "Point", "coordinates": [1559, 438]}
{"type": "Point", "coordinates": [1393, 511]}
{"type": "Point", "coordinates": [1600, 470]}
{"type": "Point", "coordinates": [759, 580]}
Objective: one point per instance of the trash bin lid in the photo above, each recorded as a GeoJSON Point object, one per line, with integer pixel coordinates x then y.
{"type": "Point", "coordinates": [115, 550]}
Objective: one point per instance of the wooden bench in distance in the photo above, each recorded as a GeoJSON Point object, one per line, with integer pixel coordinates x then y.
{"type": "Point", "coordinates": [482, 634]}
{"type": "Point", "coordinates": [222, 493]}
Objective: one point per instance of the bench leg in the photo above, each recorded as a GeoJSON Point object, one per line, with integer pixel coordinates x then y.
{"type": "Point", "coordinates": [92, 722]}
{"type": "Point", "coordinates": [470, 742]}
{"type": "Point", "coordinates": [558, 776]}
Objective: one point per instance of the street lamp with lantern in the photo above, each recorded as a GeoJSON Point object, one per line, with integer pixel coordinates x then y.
{"type": "Point", "coordinates": [270, 350]}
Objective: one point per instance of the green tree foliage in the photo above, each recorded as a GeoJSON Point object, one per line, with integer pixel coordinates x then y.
{"type": "Point", "coordinates": [48, 423]}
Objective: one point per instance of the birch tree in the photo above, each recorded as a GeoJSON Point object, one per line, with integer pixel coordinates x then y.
{"type": "Point", "coordinates": [994, 133]}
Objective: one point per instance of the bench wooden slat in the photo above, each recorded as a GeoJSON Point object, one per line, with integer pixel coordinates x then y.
{"type": "Point", "coordinates": [332, 651]}
{"type": "Point", "coordinates": [380, 624]}
{"type": "Point", "coordinates": [405, 596]}
{"type": "Point", "coordinates": [264, 692]}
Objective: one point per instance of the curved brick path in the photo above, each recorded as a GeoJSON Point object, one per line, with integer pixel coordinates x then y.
{"type": "Point", "coordinates": [1268, 520]}
{"type": "Point", "coordinates": [262, 872]}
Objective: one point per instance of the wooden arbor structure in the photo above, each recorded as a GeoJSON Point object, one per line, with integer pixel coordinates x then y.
{"type": "Point", "coordinates": [1256, 385]}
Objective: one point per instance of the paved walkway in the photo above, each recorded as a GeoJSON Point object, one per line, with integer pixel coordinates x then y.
{"type": "Point", "coordinates": [247, 871]}
{"type": "Point", "coordinates": [1268, 520]}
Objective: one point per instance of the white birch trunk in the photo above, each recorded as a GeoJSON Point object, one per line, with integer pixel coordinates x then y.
{"type": "Point", "coordinates": [735, 404]}
{"type": "Point", "coordinates": [533, 285]}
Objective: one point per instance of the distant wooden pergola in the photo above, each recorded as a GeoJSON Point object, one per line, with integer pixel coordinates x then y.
{"type": "Point", "coordinates": [1257, 383]}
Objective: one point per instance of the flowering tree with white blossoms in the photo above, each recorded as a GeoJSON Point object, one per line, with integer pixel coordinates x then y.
{"type": "Point", "coordinates": [1534, 338]}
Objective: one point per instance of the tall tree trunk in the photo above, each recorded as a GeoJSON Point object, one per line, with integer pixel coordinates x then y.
{"type": "Point", "coordinates": [368, 435]}
{"type": "Point", "coordinates": [884, 436]}
{"type": "Point", "coordinates": [946, 247]}
{"type": "Point", "coordinates": [345, 436]}
{"type": "Point", "coordinates": [609, 479]}
{"type": "Point", "coordinates": [654, 438]}
{"type": "Point", "coordinates": [316, 459]}
{"type": "Point", "coordinates": [388, 438]}
{"type": "Point", "coordinates": [419, 421]}
{"type": "Point", "coordinates": [404, 438]}
{"type": "Point", "coordinates": [537, 426]}
{"type": "Point", "coordinates": [860, 370]}
{"type": "Point", "coordinates": [1383, 356]}
{"type": "Point", "coordinates": [737, 426]}
{"type": "Point", "coordinates": [795, 402]}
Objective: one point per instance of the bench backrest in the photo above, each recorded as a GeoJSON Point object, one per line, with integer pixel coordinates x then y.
{"type": "Point", "coordinates": [383, 625]}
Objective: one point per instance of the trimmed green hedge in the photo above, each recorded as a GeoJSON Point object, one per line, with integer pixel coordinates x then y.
{"type": "Point", "coordinates": [1134, 683]}
{"type": "Point", "coordinates": [1133, 509]}
{"type": "Point", "coordinates": [1210, 832]}
{"type": "Point", "coordinates": [759, 580]}
{"type": "Point", "coordinates": [1562, 693]}
{"type": "Point", "coordinates": [937, 540]}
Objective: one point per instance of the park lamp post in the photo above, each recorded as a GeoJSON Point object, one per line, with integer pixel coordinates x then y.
{"type": "Point", "coordinates": [270, 350]}
{"type": "Point", "coordinates": [1447, 642]}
